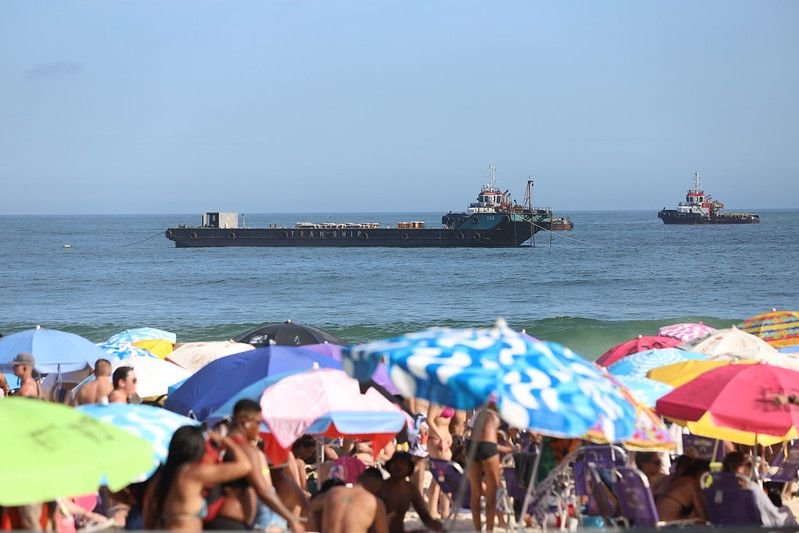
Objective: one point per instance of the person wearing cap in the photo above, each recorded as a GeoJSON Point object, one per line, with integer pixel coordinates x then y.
{"type": "Point", "coordinates": [23, 365]}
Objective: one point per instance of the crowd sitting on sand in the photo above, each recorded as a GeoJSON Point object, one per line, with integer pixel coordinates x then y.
{"type": "Point", "coordinates": [220, 478]}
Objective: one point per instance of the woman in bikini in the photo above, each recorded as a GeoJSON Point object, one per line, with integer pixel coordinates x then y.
{"type": "Point", "coordinates": [174, 499]}
{"type": "Point", "coordinates": [485, 467]}
{"type": "Point", "coordinates": [679, 496]}
{"type": "Point", "coordinates": [439, 446]}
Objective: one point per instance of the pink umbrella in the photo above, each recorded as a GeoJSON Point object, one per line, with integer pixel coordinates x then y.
{"type": "Point", "coordinates": [687, 331]}
{"type": "Point", "coordinates": [334, 350]}
{"type": "Point", "coordinates": [328, 402]}
{"type": "Point", "coordinates": [638, 344]}
{"type": "Point", "coordinates": [739, 397]}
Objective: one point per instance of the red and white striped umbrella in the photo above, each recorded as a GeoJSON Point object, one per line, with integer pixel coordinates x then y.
{"type": "Point", "coordinates": [686, 332]}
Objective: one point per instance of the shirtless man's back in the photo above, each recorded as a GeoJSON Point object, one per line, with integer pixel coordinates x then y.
{"type": "Point", "coordinates": [353, 510]}
{"type": "Point", "coordinates": [97, 391]}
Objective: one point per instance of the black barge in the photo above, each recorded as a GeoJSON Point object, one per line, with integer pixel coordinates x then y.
{"type": "Point", "coordinates": [493, 221]}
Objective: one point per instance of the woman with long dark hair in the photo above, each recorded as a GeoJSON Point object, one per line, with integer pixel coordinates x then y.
{"type": "Point", "coordinates": [174, 499]}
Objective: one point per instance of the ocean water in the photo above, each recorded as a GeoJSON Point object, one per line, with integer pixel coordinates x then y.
{"type": "Point", "coordinates": [616, 275]}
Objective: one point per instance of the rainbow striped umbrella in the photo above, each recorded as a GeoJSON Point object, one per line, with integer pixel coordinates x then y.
{"type": "Point", "coordinates": [778, 328]}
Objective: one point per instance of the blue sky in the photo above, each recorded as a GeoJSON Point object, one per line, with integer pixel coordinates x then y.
{"type": "Point", "coordinates": [186, 106]}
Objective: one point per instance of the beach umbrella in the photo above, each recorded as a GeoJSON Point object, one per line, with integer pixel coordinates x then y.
{"type": "Point", "coordinates": [129, 336]}
{"type": "Point", "coordinates": [118, 352]}
{"type": "Point", "coordinates": [158, 347]}
{"type": "Point", "coordinates": [538, 385]}
{"type": "Point", "coordinates": [742, 399]}
{"type": "Point", "coordinates": [54, 350]}
{"type": "Point", "coordinates": [645, 391]}
{"type": "Point", "coordinates": [732, 341]}
{"type": "Point", "coordinates": [638, 364]}
{"type": "Point", "coordinates": [250, 392]}
{"type": "Point", "coordinates": [286, 334]}
{"type": "Point", "coordinates": [686, 331]}
{"type": "Point", "coordinates": [778, 328]}
{"type": "Point", "coordinates": [219, 380]}
{"type": "Point", "coordinates": [49, 451]}
{"type": "Point", "coordinates": [650, 432]}
{"type": "Point", "coordinates": [152, 424]}
{"type": "Point", "coordinates": [380, 375]}
{"type": "Point", "coordinates": [330, 403]}
{"type": "Point", "coordinates": [678, 374]}
{"type": "Point", "coordinates": [154, 375]}
{"type": "Point", "coordinates": [638, 344]}
{"type": "Point", "coordinates": [194, 355]}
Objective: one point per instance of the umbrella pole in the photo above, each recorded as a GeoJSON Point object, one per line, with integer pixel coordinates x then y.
{"type": "Point", "coordinates": [528, 495]}
{"type": "Point", "coordinates": [320, 458]}
{"type": "Point", "coordinates": [715, 451]}
{"type": "Point", "coordinates": [470, 457]}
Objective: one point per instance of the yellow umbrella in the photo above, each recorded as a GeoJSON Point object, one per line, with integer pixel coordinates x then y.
{"type": "Point", "coordinates": [705, 427]}
{"type": "Point", "coordinates": [158, 347]}
{"type": "Point", "coordinates": [677, 374]}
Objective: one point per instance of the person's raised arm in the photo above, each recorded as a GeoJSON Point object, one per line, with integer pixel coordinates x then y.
{"type": "Point", "coordinates": [214, 474]}
{"type": "Point", "coordinates": [261, 481]}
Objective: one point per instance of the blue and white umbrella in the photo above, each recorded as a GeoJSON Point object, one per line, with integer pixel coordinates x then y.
{"type": "Point", "coordinates": [538, 385]}
{"type": "Point", "coordinates": [153, 424]}
{"type": "Point", "coordinates": [638, 364]}
{"type": "Point", "coordinates": [54, 350]}
{"type": "Point", "coordinates": [129, 336]}
{"type": "Point", "coordinates": [645, 390]}
{"type": "Point", "coordinates": [119, 352]}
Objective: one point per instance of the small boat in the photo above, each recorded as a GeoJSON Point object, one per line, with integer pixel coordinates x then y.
{"type": "Point", "coordinates": [561, 224]}
{"type": "Point", "coordinates": [67, 246]}
{"type": "Point", "coordinates": [700, 208]}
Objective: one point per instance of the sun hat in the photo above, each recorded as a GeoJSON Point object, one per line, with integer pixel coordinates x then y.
{"type": "Point", "coordinates": [23, 358]}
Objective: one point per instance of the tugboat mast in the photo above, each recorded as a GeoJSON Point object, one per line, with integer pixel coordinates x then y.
{"type": "Point", "coordinates": [697, 181]}
{"type": "Point", "coordinates": [492, 176]}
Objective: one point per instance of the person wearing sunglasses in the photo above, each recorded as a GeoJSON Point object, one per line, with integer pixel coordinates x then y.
{"type": "Point", "coordinates": [124, 380]}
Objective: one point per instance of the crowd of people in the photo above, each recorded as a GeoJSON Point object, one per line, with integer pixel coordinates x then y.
{"type": "Point", "coordinates": [220, 477]}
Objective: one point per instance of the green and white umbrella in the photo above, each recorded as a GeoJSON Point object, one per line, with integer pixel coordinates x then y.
{"type": "Point", "coordinates": [50, 450]}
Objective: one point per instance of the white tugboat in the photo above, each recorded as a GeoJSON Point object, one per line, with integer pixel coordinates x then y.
{"type": "Point", "coordinates": [700, 208]}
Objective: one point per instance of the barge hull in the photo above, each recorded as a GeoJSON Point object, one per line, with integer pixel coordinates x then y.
{"type": "Point", "coordinates": [505, 236]}
{"type": "Point", "coordinates": [671, 216]}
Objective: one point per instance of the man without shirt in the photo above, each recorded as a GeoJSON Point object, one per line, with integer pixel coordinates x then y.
{"type": "Point", "coordinates": [97, 391]}
{"type": "Point", "coordinates": [23, 365]}
{"type": "Point", "coordinates": [239, 508]}
{"type": "Point", "coordinates": [399, 494]}
{"type": "Point", "coordinates": [352, 509]}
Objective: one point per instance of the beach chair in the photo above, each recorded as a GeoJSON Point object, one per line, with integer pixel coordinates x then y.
{"type": "Point", "coordinates": [448, 475]}
{"type": "Point", "coordinates": [702, 448]}
{"type": "Point", "coordinates": [728, 504]}
{"type": "Point", "coordinates": [783, 474]}
{"type": "Point", "coordinates": [604, 500]}
{"type": "Point", "coordinates": [637, 503]}
{"type": "Point", "coordinates": [603, 457]}
{"type": "Point", "coordinates": [518, 471]}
